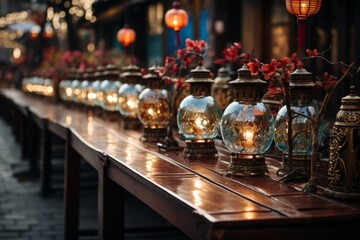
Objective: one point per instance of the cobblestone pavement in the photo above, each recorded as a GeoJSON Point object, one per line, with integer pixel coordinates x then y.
{"type": "Point", "coordinates": [25, 215]}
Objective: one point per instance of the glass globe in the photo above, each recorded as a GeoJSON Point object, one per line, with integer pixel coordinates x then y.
{"type": "Point", "coordinates": [154, 107]}
{"type": "Point", "coordinates": [128, 100]}
{"type": "Point", "coordinates": [301, 127]}
{"type": "Point", "coordinates": [247, 127]}
{"type": "Point", "coordinates": [198, 117]}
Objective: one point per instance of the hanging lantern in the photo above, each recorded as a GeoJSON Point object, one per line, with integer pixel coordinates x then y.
{"type": "Point", "coordinates": [48, 30]}
{"type": "Point", "coordinates": [344, 168]}
{"type": "Point", "coordinates": [302, 9]}
{"type": "Point", "coordinates": [176, 18]}
{"type": "Point", "coordinates": [34, 31]}
{"type": "Point", "coordinates": [126, 35]}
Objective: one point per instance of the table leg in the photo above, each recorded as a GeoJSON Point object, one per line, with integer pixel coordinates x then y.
{"type": "Point", "coordinates": [45, 175]}
{"type": "Point", "coordinates": [33, 143]}
{"type": "Point", "coordinates": [111, 209]}
{"type": "Point", "coordinates": [71, 190]}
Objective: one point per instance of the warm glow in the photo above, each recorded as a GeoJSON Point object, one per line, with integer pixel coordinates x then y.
{"type": "Point", "coordinates": [198, 122]}
{"type": "Point", "coordinates": [150, 111]}
{"type": "Point", "coordinates": [303, 8]}
{"type": "Point", "coordinates": [90, 126]}
{"type": "Point", "coordinates": [131, 104]}
{"type": "Point", "coordinates": [197, 198]}
{"type": "Point", "coordinates": [34, 32]}
{"type": "Point", "coordinates": [68, 91]}
{"type": "Point", "coordinates": [91, 96]}
{"type": "Point", "coordinates": [126, 36]}
{"type": "Point", "coordinates": [49, 90]}
{"type": "Point", "coordinates": [91, 47]}
{"type": "Point", "coordinates": [249, 138]}
{"type": "Point", "coordinates": [248, 135]}
{"type": "Point", "coordinates": [176, 18]}
{"type": "Point", "coordinates": [111, 98]}
{"type": "Point", "coordinates": [68, 120]}
{"type": "Point", "coordinates": [16, 53]}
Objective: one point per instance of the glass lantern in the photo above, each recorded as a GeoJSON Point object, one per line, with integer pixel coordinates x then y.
{"type": "Point", "coordinates": [247, 127]}
{"type": "Point", "coordinates": [65, 88]}
{"type": "Point", "coordinates": [301, 88]}
{"type": "Point", "coordinates": [75, 85]}
{"type": "Point", "coordinates": [88, 77]}
{"type": "Point", "coordinates": [90, 91]}
{"type": "Point", "coordinates": [99, 77]}
{"type": "Point", "coordinates": [128, 96]}
{"type": "Point", "coordinates": [110, 87]}
{"type": "Point", "coordinates": [221, 90]}
{"type": "Point", "coordinates": [198, 117]}
{"type": "Point", "coordinates": [154, 107]}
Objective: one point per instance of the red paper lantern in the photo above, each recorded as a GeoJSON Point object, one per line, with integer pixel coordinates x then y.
{"type": "Point", "coordinates": [126, 36]}
{"type": "Point", "coordinates": [302, 9]}
{"type": "Point", "coordinates": [176, 18]}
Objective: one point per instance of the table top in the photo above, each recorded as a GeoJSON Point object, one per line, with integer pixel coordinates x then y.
{"type": "Point", "coordinates": [195, 195]}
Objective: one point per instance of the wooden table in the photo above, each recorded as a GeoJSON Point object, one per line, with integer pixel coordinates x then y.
{"type": "Point", "coordinates": [192, 195]}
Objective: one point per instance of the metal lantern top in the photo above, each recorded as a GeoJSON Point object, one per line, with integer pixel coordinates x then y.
{"type": "Point", "coordinates": [247, 88]}
{"type": "Point", "coordinates": [131, 74]}
{"type": "Point", "coordinates": [153, 78]}
{"type": "Point", "coordinates": [200, 81]}
{"type": "Point", "coordinates": [111, 72]}
{"type": "Point", "coordinates": [301, 86]}
{"type": "Point", "coordinates": [349, 114]}
{"type": "Point", "coordinates": [303, 8]}
{"type": "Point", "coordinates": [176, 18]}
{"type": "Point", "coordinates": [223, 77]}
{"type": "Point", "coordinates": [126, 35]}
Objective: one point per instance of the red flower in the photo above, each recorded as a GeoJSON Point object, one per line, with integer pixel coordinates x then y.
{"type": "Point", "coordinates": [312, 53]}
{"type": "Point", "coordinates": [269, 70]}
{"type": "Point", "coordinates": [231, 54]}
{"type": "Point", "coordinates": [254, 67]}
{"type": "Point", "coordinates": [273, 90]}
{"type": "Point", "coordinates": [327, 83]}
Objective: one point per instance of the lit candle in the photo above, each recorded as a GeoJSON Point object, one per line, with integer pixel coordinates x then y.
{"type": "Point", "coordinates": [249, 139]}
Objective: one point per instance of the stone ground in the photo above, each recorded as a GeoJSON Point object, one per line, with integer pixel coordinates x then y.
{"type": "Point", "coordinates": [25, 215]}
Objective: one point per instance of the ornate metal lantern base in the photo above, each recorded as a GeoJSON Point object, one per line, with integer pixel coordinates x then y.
{"type": "Point", "coordinates": [200, 149]}
{"type": "Point", "coordinates": [154, 134]}
{"type": "Point", "coordinates": [344, 161]}
{"type": "Point", "coordinates": [301, 168]}
{"type": "Point", "coordinates": [131, 123]}
{"type": "Point", "coordinates": [247, 165]}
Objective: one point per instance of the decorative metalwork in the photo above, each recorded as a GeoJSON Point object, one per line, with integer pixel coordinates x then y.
{"type": "Point", "coordinates": [344, 161]}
